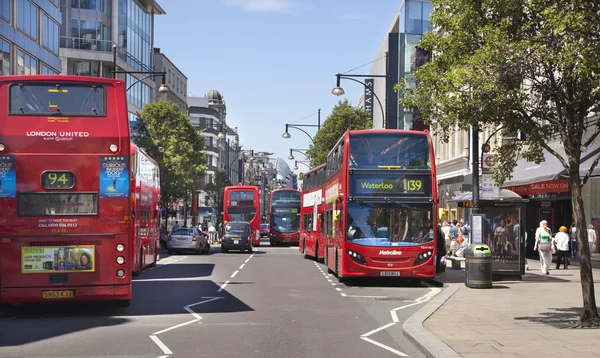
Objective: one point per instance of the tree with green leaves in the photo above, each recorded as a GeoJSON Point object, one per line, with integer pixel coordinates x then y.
{"type": "Point", "coordinates": [170, 138]}
{"type": "Point", "coordinates": [343, 117]}
{"type": "Point", "coordinates": [520, 65]}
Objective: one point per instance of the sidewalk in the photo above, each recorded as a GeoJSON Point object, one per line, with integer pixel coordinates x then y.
{"type": "Point", "coordinates": [513, 319]}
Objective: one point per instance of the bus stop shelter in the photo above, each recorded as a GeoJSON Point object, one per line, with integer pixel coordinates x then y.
{"type": "Point", "coordinates": [503, 229]}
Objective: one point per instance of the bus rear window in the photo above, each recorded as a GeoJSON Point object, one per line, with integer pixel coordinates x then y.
{"type": "Point", "coordinates": [56, 99]}
{"type": "Point", "coordinates": [55, 204]}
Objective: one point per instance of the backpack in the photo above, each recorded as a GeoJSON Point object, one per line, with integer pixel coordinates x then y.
{"type": "Point", "coordinates": [465, 230]}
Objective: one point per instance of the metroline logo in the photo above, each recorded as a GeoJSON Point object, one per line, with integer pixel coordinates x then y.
{"type": "Point", "coordinates": [376, 186]}
{"type": "Point", "coordinates": [389, 252]}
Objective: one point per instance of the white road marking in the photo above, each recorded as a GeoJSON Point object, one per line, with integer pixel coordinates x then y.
{"type": "Point", "coordinates": [384, 347]}
{"type": "Point", "coordinates": [197, 317]}
{"type": "Point", "coordinates": [246, 260]}
{"type": "Point", "coordinates": [177, 326]}
{"type": "Point", "coordinates": [161, 345]}
{"type": "Point", "coordinates": [235, 273]}
{"type": "Point", "coordinates": [242, 266]}
{"type": "Point", "coordinates": [223, 286]}
{"type": "Point", "coordinates": [395, 320]}
{"type": "Point", "coordinates": [164, 356]}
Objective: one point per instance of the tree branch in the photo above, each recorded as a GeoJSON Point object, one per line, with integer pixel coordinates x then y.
{"type": "Point", "coordinates": [591, 170]}
{"type": "Point", "coordinates": [550, 150]}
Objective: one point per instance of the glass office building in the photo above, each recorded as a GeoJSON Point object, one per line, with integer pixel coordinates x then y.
{"type": "Point", "coordinates": [92, 27]}
{"type": "Point", "coordinates": [29, 37]}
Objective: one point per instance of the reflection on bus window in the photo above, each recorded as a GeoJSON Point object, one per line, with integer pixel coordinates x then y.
{"type": "Point", "coordinates": [58, 204]}
{"type": "Point", "coordinates": [395, 150]}
{"type": "Point", "coordinates": [389, 225]}
{"type": "Point", "coordinates": [57, 99]}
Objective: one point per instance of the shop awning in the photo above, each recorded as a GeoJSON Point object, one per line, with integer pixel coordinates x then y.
{"type": "Point", "coordinates": [504, 195]}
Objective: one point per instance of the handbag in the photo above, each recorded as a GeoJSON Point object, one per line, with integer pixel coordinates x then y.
{"type": "Point", "coordinates": [544, 245]}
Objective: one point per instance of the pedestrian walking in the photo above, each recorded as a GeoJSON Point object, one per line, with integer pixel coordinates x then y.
{"type": "Point", "coordinates": [441, 251]}
{"type": "Point", "coordinates": [453, 235]}
{"type": "Point", "coordinates": [543, 244]}
{"type": "Point", "coordinates": [574, 244]}
{"type": "Point", "coordinates": [592, 238]}
{"type": "Point", "coordinates": [561, 240]}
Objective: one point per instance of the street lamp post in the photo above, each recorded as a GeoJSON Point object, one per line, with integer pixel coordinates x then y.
{"type": "Point", "coordinates": [287, 135]}
{"type": "Point", "coordinates": [229, 163]}
{"type": "Point", "coordinates": [338, 90]}
{"type": "Point", "coordinates": [301, 151]}
{"type": "Point", "coordinates": [303, 162]}
{"type": "Point", "coordinates": [163, 87]}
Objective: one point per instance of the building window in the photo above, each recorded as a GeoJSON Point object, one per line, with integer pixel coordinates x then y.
{"type": "Point", "coordinates": [28, 18]}
{"type": "Point", "coordinates": [46, 70]}
{"type": "Point", "coordinates": [26, 65]}
{"type": "Point", "coordinates": [96, 5]}
{"type": "Point", "coordinates": [50, 34]}
{"type": "Point", "coordinates": [414, 17]}
{"type": "Point", "coordinates": [5, 9]}
{"type": "Point", "coordinates": [54, 2]}
{"type": "Point", "coordinates": [84, 68]}
{"type": "Point", "coordinates": [4, 57]}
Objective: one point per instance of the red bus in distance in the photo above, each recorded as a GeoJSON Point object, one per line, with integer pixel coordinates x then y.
{"type": "Point", "coordinates": [145, 200]}
{"type": "Point", "coordinates": [312, 243]}
{"type": "Point", "coordinates": [380, 208]}
{"type": "Point", "coordinates": [242, 203]}
{"type": "Point", "coordinates": [284, 216]}
{"type": "Point", "coordinates": [66, 190]}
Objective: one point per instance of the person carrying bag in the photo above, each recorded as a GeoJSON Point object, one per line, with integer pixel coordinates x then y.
{"type": "Point", "coordinates": [543, 244]}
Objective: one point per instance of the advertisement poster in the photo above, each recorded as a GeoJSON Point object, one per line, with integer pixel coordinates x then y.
{"type": "Point", "coordinates": [44, 259]}
{"type": "Point", "coordinates": [114, 177]}
{"type": "Point", "coordinates": [8, 177]}
{"type": "Point", "coordinates": [502, 233]}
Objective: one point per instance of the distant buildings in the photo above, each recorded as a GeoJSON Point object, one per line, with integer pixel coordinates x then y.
{"type": "Point", "coordinates": [175, 79]}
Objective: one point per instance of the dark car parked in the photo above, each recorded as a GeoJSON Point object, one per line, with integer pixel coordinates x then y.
{"type": "Point", "coordinates": [237, 236]}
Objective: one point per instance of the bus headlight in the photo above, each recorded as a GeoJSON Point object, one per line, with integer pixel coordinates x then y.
{"type": "Point", "coordinates": [113, 148]}
{"type": "Point", "coordinates": [120, 260]}
{"type": "Point", "coordinates": [120, 273]}
{"type": "Point", "coordinates": [357, 257]}
{"type": "Point", "coordinates": [120, 247]}
{"type": "Point", "coordinates": [423, 257]}
{"type": "Point", "coordinates": [2, 147]}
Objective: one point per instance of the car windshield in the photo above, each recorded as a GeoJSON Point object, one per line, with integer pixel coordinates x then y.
{"type": "Point", "coordinates": [389, 224]}
{"type": "Point", "coordinates": [184, 232]}
{"type": "Point", "coordinates": [236, 228]}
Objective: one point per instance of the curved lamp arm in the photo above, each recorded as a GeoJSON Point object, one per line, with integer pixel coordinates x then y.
{"type": "Point", "coordinates": [374, 94]}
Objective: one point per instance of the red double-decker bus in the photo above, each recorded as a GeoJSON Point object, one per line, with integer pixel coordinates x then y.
{"type": "Point", "coordinates": [312, 243]}
{"type": "Point", "coordinates": [65, 192]}
{"type": "Point", "coordinates": [380, 205]}
{"type": "Point", "coordinates": [145, 209]}
{"type": "Point", "coordinates": [284, 216]}
{"type": "Point", "coordinates": [242, 203]}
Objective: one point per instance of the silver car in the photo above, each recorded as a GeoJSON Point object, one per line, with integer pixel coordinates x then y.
{"type": "Point", "coordinates": [185, 239]}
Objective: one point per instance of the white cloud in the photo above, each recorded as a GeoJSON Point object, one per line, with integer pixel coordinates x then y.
{"type": "Point", "coordinates": [262, 5]}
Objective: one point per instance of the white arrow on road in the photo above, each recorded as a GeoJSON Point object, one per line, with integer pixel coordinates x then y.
{"type": "Point", "coordinates": [197, 318]}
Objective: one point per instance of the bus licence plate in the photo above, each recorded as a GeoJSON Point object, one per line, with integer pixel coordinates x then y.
{"type": "Point", "coordinates": [58, 294]}
{"type": "Point", "coordinates": [389, 273]}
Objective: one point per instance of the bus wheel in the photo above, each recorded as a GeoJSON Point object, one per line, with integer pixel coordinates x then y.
{"type": "Point", "coordinates": [123, 303]}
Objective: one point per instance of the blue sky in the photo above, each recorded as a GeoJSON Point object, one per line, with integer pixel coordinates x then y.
{"type": "Point", "coordinates": [273, 60]}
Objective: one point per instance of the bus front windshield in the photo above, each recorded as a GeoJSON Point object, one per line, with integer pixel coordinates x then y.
{"type": "Point", "coordinates": [389, 224]}
{"type": "Point", "coordinates": [384, 150]}
{"type": "Point", "coordinates": [285, 220]}
{"type": "Point", "coordinates": [241, 214]}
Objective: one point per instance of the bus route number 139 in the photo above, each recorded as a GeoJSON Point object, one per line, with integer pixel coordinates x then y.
{"type": "Point", "coordinates": [415, 185]}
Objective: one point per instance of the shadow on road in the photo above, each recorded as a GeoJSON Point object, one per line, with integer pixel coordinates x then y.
{"type": "Point", "coordinates": [27, 323]}
{"type": "Point", "coordinates": [178, 270]}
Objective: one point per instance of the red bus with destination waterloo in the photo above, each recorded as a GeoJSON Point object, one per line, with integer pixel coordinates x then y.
{"type": "Point", "coordinates": [284, 217]}
{"type": "Point", "coordinates": [69, 189]}
{"type": "Point", "coordinates": [380, 205]}
{"type": "Point", "coordinates": [312, 242]}
{"type": "Point", "coordinates": [242, 203]}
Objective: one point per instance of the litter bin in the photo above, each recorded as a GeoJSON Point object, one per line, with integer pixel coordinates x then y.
{"type": "Point", "coordinates": [478, 266]}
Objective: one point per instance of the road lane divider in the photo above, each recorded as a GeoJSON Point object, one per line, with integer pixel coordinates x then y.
{"type": "Point", "coordinates": [197, 318]}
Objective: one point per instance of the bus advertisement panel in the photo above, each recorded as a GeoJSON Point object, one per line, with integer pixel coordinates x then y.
{"type": "Point", "coordinates": [312, 242]}
{"type": "Point", "coordinates": [284, 217]}
{"type": "Point", "coordinates": [65, 190]}
{"type": "Point", "coordinates": [380, 205]}
{"type": "Point", "coordinates": [242, 203]}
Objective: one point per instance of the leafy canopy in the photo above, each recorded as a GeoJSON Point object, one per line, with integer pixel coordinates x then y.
{"type": "Point", "coordinates": [528, 65]}
{"type": "Point", "coordinates": [343, 117]}
{"type": "Point", "coordinates": [170, 138]}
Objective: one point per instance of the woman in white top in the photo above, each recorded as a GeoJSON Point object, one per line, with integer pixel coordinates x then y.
{"type": "Point", "coordinates": [592, 238]}
{"type": "Point", "coordinates": [543, 242]}
{"type": "Point", "coordinates": [561, 240]}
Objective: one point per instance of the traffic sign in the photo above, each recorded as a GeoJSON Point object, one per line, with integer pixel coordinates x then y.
{"type": "Point", "coordinates": [486, 148]}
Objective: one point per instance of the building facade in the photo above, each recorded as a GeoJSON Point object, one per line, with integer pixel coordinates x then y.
{"type": "Point", "coordinates": [175, 79]}
{"type": "Point", "coordinates": [89, 31]}
{"type": "Point", "coordinates": [29, 37]}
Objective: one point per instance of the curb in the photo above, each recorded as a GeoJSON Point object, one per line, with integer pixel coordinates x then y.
{"type": "Point", "coordinates": [427, 342]}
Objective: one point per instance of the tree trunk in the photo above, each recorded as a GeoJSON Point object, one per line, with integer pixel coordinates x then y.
{"type": "Point", "coordinates": [590, 316]}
